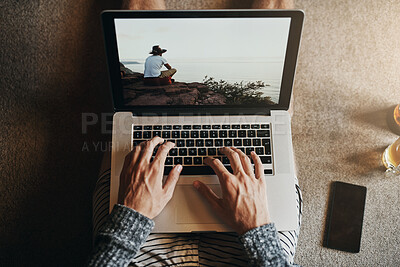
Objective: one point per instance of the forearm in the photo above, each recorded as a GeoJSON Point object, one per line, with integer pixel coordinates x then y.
{"type": "Point", "coordinates": [120, 238]}
{"type": "Point", "coordinates": [263, 247]}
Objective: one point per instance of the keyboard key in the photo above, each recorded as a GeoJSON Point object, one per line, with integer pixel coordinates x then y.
{"type": "Point", "coordinates": [157, 133]}
{"type": "Point", "coordinates": [137, 142]}
{"type": "Point", "coordinates": [267, 145]}
{"type": "Point", "coordinates": [209, 142]}
{"type": "Point", "coordinates": [242, 148]}
{"type": "Point", "coordinates": [255, 126]}
{"type": "Point", "coordinates": [266, 159]}
{"type": "Point", "coordinates": [259, 150]}
{"type": "Point", "coordinates": [177, 127]}
{"type": "Point", "coordinates": [180, 143]}
{"type": "Point", "coordinates": [197, 161]}
{"type": "Point", "coordinates": [247, 142]}
{"type": "Point", "coordinates": [176, 134]}
{"type": "Point", "coordinates": [212, 151]}
{"type": "Point", "coordinates": [195, 170]}
{"type": "Point", "coordinates": [189, 142]}
{"type": "Point", "coordinates": [232, 133]}
{"type": "Point", "coordinates": [183, 151]}
{"type": "Point", "coordinates": [226, 126]}
{"type": "Point", "coordinates": [178, 160]}
{"type": "Point", "coordinates": [173, 152]}
{"type": "Point", "coordinates": [256, 142]}
{"type": "Point", "coordinates": [262, 133]}
{"type": "Point", "coordinates": [219, 152]}
{"type": "Point", "coordinates": [204, 134]}
{"type": "Point", "coordinates": [187, 160]}
{"type": "Point", "coordinates": [237, 142]}
{"type": "Point", "coordinates": [206, 127]}
{"type": "Point", "coordinates": [225, 160]}
{"type": "Point", "coordinates": [236, 126]}
{"type": "Point", "coordinates": [223, 133]}
{"type": "Point", "coordinates": [245, 126]}
{"type": "Point", "coordinates": [157, 127]}
{"type": "Point", "coordinates": [166, 134]}
{"type": "Point", "coordinates": [196, 127]}
{"type": "Point", "coordinates": [137, 127]}
{"type": "Point", "coordinates": [228, 142]}
{"type": "Point", "coordinates": [268, 171]}
{"type": "Point", "coordinates": [137, 135]}
{"type": "Point", "coordinates": [251, 133]}
{"type": "Point", "coordinates": [148, 127]}
{"type": "Point", "coordinates": [147, 134]}
{"type": "Point", "coordinates": [242, 133]}
{"type": "Point", "coordinates": [248, 150]}
{"type": "Point", "coordinates": [187, 127]}
{"type": "Point", "coordinates": [167, 127]}
{"type": "Point", "coordinates": [218, 158]}
{"type": "Point", "coordinates": [213, 134]}
{"type": "Point", "coordinates": [264, 126]}
{"type": "Point", "coordinates": [194, 134]}
{"type": "Point", "coordinates": [192, 151]}
{"type": "Point", "coordinates": [168, 161]}
{"type": "Point", "coordinates": [202, 151]}
{"type": "Point", "coordinates": [199, 142]}
{"type": "Point", "coordinates": [171, 140]}
{"type": "Point", "coordinates": [185, 134]}
{"type": "Point", "coordinates": [216, 126]}
{"type": "Point", "coordinates": [218, 142]}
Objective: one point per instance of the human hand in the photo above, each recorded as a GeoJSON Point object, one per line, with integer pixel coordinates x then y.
{"type": "Point", "coordinates": [140, 186]}
{"type": "Point", "coordinates": [243, 205]}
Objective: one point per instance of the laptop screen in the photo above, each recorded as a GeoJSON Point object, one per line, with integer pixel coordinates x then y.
{"type": "Point", "coordinates": [225, 60]}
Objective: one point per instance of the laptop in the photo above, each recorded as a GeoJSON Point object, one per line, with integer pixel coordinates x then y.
{"type": "Point", "coordinates": [235, 72]}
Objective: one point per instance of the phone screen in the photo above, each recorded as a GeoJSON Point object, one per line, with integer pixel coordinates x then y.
{"type": "Point", "coordinates": [345, 218]}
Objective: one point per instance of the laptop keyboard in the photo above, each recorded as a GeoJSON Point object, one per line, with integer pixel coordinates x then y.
{"type": "Point", "coordinates": [193, 143]}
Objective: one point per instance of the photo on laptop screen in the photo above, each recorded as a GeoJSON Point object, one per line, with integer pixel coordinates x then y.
{"type": "Point", "coordinates": [194, 61]}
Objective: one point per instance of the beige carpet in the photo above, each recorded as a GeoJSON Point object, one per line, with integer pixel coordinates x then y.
{"type": "Point", "coordinates": [53, 66]}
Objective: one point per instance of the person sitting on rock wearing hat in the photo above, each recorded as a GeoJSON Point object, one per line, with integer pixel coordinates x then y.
{"type": "Point", "coordinates": [154, 63]}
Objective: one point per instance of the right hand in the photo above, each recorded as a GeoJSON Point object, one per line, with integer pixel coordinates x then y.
{"type": "Point", "coordinates": [243, 205]}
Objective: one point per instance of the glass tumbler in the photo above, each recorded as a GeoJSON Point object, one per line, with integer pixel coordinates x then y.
{"type": "Point", "coordinates": [391, 158]}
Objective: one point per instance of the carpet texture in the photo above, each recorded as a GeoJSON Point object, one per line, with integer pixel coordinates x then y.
{"type": "Point", "coordinates": [53, 73]}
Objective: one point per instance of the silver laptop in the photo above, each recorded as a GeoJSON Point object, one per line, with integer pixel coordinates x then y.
{"type": "Point", "coordinates": [235, 72]}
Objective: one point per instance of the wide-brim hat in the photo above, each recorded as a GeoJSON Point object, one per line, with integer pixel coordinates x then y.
{"type": "Point", "coordinates": [157, 50]}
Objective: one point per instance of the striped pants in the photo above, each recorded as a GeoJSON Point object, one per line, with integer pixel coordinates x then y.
{"type": "Point", "coordinates": [187, 249]}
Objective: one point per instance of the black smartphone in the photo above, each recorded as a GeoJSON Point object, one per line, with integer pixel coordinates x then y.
{"type": "Point", "coordinates": [345, 217]}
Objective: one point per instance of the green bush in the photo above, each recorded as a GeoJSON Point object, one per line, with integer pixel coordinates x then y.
{"type": "Point", "coordinates": [239, 92]}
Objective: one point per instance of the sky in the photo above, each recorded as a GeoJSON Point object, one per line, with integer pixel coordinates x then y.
{"type": "Point", "coordinates": [234, 39]}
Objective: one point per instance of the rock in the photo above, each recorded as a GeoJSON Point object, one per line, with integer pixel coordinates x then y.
{"type": "Point", "coordinates": [179, 93]}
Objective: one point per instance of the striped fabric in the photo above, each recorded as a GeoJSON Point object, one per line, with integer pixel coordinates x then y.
{"type": "Point", "coordinates": [187, 249]}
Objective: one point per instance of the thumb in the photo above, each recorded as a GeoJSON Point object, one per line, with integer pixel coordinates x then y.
{"type": "Point", "coordinates": [208, 194]}
{"type": "Point", "coordinates": [172, 179]}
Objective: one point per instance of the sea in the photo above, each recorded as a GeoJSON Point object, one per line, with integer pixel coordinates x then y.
{"type": "Point", "coordinates": [234, 71]}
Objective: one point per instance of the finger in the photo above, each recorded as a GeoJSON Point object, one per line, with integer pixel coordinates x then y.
{"type": "Point", "coordinates": [208, 194]}
{"type": "Point", "coordinates": [172, 179]}
{"type": "Point", "coordinates": [258, 167]}
{"type": "Point", "coordinates": [234, 159]}
{"type": "Point", "coordinates": [136, 152]}
{"type": "Point", "coordinates": [217, 166]}
{"type": "Point", "coordinates": [162, 152]}
{"type": "Point", "coordinates": [149, 146]}
{"type": "Point", "coordinates": [246, 163]}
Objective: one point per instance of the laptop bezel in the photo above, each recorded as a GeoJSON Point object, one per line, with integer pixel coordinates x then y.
{"type": "Point", "coordinates": [108, 17]}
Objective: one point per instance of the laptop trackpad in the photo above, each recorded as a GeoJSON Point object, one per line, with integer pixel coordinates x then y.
{"type": "Point", "coordinates": [193, 207]}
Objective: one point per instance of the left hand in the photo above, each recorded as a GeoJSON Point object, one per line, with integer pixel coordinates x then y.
{"type": "Point", "coordinates": [141, 186]}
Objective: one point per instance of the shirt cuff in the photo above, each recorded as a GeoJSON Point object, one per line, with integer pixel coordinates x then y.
{"type": "Point", "coordinates": [129, 225]}
{"type": "Point", "coordinates": [262, 244]}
